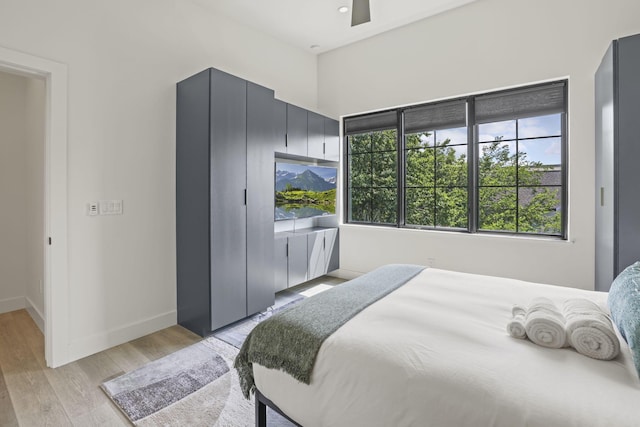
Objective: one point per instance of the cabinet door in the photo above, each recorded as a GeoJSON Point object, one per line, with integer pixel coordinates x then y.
{"type": "Point", "coordinates": [331, 139]}
{"type": "Point", "coordinates": [297, 266]}
{"type": "Point", "coordinates": [280, 264]}
{"type": "Point", "coordinates": [280, 126]}
{"type": "Point", "coordinates": [315, 132]}
{"type": "Point", "coordinates": [260, 141]}
{"type": "Point", "coordinates": [331, 250]}
{"type": "Point", "coordinates": [315, 252]}
{"type": "Point", "coordinates": [628, 153]}
{"type": "Point", "coordinates": [296, 130]}
{"type": "Point", "coordinates": [192, 203]}
{"type": "Point", "coordinates": [228, 213]}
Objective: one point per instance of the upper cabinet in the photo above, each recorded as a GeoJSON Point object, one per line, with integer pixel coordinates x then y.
{"type": "Point", "coordinates": [331, 139]}
{"type": "Point", "coordinates": [315, 132]}
{"type": "Point", "coordinates": [304, 133]}
{"type": "Point", "coordinates": [280, 125]}
{"type": "Point", "coordinates": [296, 141]}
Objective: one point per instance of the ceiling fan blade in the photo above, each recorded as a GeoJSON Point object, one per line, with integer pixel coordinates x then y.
{"type": "Point", "coordinates": [360, 12]}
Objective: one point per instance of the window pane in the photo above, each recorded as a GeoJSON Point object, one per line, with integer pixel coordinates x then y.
{"type": "Point", "coordinates": [419, 140]}
{"type": "Point", "coordinates": [419, 168]}
{"type": "Point", "coordinates": [360, 170]}
{"type": "Point", "coordinates": [451, 136]}
{"type": "Point", "coordinates": [535, 127]}
{"type": "Point", "coordinates": [451, 166]}
{"type": "Point", "coordinates": [384, 205]}
{"type": "Point", "coordinates": [451, 207]}
{"type": "Point", "coordinates": [497, 131]}
{"type": "Point", "coordinates": [384, 140]}
{"type": "Point", "coordinates": [360, 143]}
{"type": "Point", "coordinates": [497, 209]}
{"type": "Point", "coordinates": [539, 210]}
{"type": "Point", "coordinates": [539, 175]}
{"type": "Point", "coordinates": [360, 207]}
{"type": "Point", "coordinates": [384, 170]}
{"type": "Point", "coordinates": [544, 151]}
{"type": "Point", "coordinates": [497, 165]}
{"type": "Point", "coordinates": [419, 206]}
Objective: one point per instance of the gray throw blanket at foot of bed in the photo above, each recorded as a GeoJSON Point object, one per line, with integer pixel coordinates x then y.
{"type": "Point", "coordinates": [290, 340]}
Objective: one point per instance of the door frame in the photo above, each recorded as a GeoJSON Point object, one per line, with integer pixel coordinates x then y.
{"type": "Point", "coordinates": [56, 284]}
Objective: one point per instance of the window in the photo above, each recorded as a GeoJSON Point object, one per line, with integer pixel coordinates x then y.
{"type": "Point", "coordinates": [486, 163]}
{"type": "Point", "coordinates": [373, 172]}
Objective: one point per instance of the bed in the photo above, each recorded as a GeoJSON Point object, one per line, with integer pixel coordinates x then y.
{"type": "Point", "coordinates": [435, 352]}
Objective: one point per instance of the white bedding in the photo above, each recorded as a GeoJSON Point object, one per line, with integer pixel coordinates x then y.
{"type": "Point", "coordinates": [436, 352]}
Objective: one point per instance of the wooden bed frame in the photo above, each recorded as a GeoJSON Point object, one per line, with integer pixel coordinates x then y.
{"type": "Point", "coordinates": [261, 410]}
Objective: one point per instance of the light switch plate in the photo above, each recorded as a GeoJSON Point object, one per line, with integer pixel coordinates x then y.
{"type": "Point", "coordinates": [92, 209]}
{"type": "Point", "coordinates": [110, 207]}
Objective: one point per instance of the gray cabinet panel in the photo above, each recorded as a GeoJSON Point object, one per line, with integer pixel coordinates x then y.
{"type": "Point", "coordinates": [297, 266]}
{"type": "Point", "coordinates": [296, 130]}
{"type": "Point", "coordinates": [332, 254]}
{"type": "Point", "coordinates": [617, 102]}
{"type": "Point", "coordinates": [315, 132]}
{"type": "Point", "coordinates": [192, 203]}
{"type": "Point", "coordinates": [280, 264]}
{"type": "Point", "coordinates": [628, 175]}
{"type": "Point", "coordinates": [315, 254]}
{"type": "Point", "coordinates": [260, 142]}
{"type": "Point", "coordinates": [280, 125]}
{"type": "Point", "coordinates": [331, 139]}
{"type": "Point", "coordinates": [228, 210]}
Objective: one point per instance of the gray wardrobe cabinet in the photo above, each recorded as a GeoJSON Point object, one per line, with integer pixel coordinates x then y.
{"type": "Point", "coordinates": [224, 200]}
{"type": "Point", "coordinates": [617, 100]}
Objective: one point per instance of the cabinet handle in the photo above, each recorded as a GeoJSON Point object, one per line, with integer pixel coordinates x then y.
{"type": "Point", "coordinates": [245, 197]}
{"type": "Point", "coordinates": [601, 196]}
{"type": "Point", "coordinates": [324, 144]}
{"type": "Point", "coordinates": [286, 139]}
{"type": "Point", "coordinates": [286, 250]}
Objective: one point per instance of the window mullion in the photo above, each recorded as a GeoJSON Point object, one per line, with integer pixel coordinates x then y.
{"type": "Point", "coordinates": [517, 177]}
{"type": "Point", "coordinates": [400, 170]}
{"type": "Point", "coordinates": [472, 168]}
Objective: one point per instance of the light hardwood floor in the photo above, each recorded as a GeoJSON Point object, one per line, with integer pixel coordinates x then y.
{"type": "Point", "coordinates": [33, 395]}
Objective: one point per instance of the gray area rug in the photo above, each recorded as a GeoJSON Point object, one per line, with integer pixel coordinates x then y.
{"type": "Point", "coordinates": [195, 386]}
{"type": "Point", "coordinates": [236, 333]}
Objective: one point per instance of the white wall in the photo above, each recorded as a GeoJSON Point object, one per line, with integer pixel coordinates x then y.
{"type": "Point", "coordinates": [13, 194]}
{"type": "Point", "coordinates": [483, 46]}
{"type": "Point", "coordinates": [123, 60]}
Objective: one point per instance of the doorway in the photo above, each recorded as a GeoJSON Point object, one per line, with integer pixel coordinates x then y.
{"type": "Point", "coordinates": [55, 278]}
{"type": "Point", "coordinates": [22, 117]}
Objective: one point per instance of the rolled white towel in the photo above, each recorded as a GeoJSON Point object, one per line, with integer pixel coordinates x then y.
{"type": "Point", "coordinates": [545, 324]}
{"type": "Point", "coordinates": [589, 329]}
{"type": "Point", "coordinates": [515, 327]}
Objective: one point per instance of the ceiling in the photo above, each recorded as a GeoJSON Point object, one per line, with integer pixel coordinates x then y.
{"type": "Point", "coordinates": [317, 26]}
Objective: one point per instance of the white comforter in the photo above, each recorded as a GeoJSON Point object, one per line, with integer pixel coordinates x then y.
{"type": "Point", "coordinates": [436, 353]}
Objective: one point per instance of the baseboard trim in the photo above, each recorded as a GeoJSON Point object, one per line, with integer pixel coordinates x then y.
{"type": "Point", "coordinates": [12, 304]}
{"type": "Point", "coordinates": [35, 314]}
{"type": "Point", "coordinates": [93, 344]}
